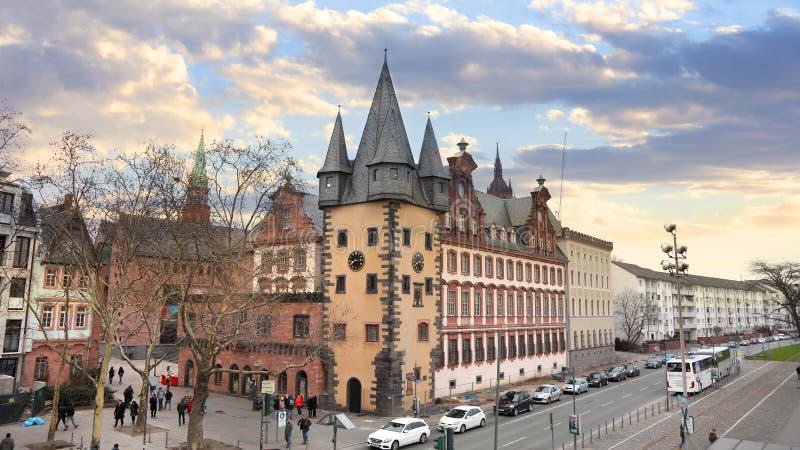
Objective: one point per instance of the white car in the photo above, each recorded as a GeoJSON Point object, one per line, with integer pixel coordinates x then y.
{"type": "Point", "coordinates": [546, 393]}
{"type": "Point", "coordinates": [400, 432]}
{"type": "Point", "coordinates": [462, 418]}
{"type": "Point", "coordinates": [576, 386]}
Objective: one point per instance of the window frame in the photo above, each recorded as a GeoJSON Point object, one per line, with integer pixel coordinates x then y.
{"type": "Point", "coordinates": [301, 326]}
{"type": "Point", "coordinates": [372, 333]}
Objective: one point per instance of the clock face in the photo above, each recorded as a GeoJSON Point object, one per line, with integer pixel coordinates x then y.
{"type": "Point", "coordinates": [417, 262]}
{"type": "Point", "coordinates": [355, 261]}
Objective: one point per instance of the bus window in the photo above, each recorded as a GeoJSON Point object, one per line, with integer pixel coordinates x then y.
{"type": "Point", "coordinates": [676, 367]}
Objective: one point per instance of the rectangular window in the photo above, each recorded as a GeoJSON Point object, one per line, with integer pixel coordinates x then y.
{"type": "Point", "coordinates": [521, 340]}
{"type": "Point", "coordinates": [66, 280]}
{"type": "Point", "coordinates": [510, 305]}
{"type": "Point", "coordinates": [406, 284]}
{"type": "Point", "coordinates": [328, 182]}
{"type": "Point", "coordinates": [339, 331]}
{"type": "Point", "coordinates": [490, 350]}
{"type": "Point", "coordinates": [340, 284]}
{"type": "Point", "coordinates": [466, 350]}
{"type": "Point", "coordinates": [452, 352]}
{"type": "Point", "coordinates": [50, 275]}
{"type": "Point", "coordinates": [372, 331]}
{"type": "Point", "coordinates": [520, 304]}
{"type": "Point", "coordinates": [13, 331]}
{"type": "Point", "coordinates": [372, 237]}
{"type": "Point", "coordinates": [478, 349]}
{"type": "Point", "coordinates": [477, 264]}
{"type": "Point", "coordinates": [465, 263]}
{"type": "Point", "coordinates": [560, 278]}
{"type": "Point", "coordinates": [406, 237]}
{"type": "Point", "coordinates": [510, 269]}
{"type": "Point", "coordinates": [544, 275]}
{"type": "Point", "coordinates": [547, 343]}
{"type": "Point", "coordinates": [286, 223]}
{"type": "Point", "coordinates": [538, 303]}
{"type": "Point", "coordinates": [451, 303]}
{"type": "Point", "coordinates": [474, 226]}
{"type": "Point", "coordinates": [75, 363]}
{"type": "Point", "coordinates": [6, 202]}
{"type": "Point", "coordinates": [341, 238]}
{"type": "Point", "coordinates": [22, 251]}
{"type": "Point", "coordinates": [464, 303]}
{"type": "Point", "coordinates": [499, 304]}
{"type": "Point", "coordinates": [417, 296]}
{"type": "Point", "coordinates": [477, 307]}
{"type": "Point", "coordinates": [489, 304]}
{"type": "Point", "coordinates": [539, 344]}
{"type": "Point", "coordinates": [512, 347]}
{"type": "Point", "coordinates": [263, 327]}
{"type": "Point", "coordinates": [392, 173]}
{"type": "Point", "coordinates": [499, 268]}
{"type": "Point", "coordinates": [372, 283]}
{"type": "Point", "coordinates": [531, 349]}
{"type": "Point", "coordinates": [536, 278]}
{"type": "Point", "coordinates": [428, 286]}
{"type": "Point", "coordinates": [62, 317]}
{"type": "Point", "coordinates": [528, 273]}
{"type": "Point", "coordinates": [300, 260]}
{"type": "Point", "coordinates": [80, 317]}
{"type": "Point", "coordinates": [451, 261]}
{"type": "Point", "coordinates": [40, 369]}
{"type": "Point", "coordinates": [528, 305]}
{"type": "Point", "coordinates": [552, 275]}
{"type": "Point", "coordinates": [17, 287]}
{"type": "Point", "coordinates": [502, 347]}
{"type": "Point", "coordinates": [489, 267]}
{"type": "Point", "coordinates": [3, 240]}
{"type": "Point", "coordinates": [301, 326]}
{"type": "Point", "coordinates": [428, 241]}
{"type": "Point", "coordinates": [519, 271]}
{"type": "Point", "coordinates": [561, 342]}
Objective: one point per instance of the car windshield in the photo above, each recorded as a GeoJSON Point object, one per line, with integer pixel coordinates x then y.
{"type": "Point", "coordinates": [543, 389]}
{"type": "Point", "coordinates": [455, 413]}
{"type": "Point", "coordinates": [618, 369]}
{"type": "Point", "coordinates": [596, 375]}
{"type": "Point", "coordinates": [676, 367]}
{"type": "Point", "coordinates": [393, 426]}
{"type": "Point", "coordinates": [653, 360]}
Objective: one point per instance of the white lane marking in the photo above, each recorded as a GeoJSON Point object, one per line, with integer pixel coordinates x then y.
{"type": "Point", "coordinates": [606, 404]}
{"type": "Point", "coordinates": [656, 384]}
{"type": "Point", "coordinates": [757, 405]}
{"type": "Point", "coordinates": [626, 395]}
{"type": "Point", "coordinates": [514, 442]}
{"type": "Point", "coordinates": [677, 412]}
{"type": "Point", "coordinates": [555, 425]}
{"type": "Point", "coordinates": [644, 389]}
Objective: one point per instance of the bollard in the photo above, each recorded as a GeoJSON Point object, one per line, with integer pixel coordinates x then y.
{"type": "Point", "coordinates": [81, 441]}
{"type": "Point", "coordinates": [659, 408]}
{"type": "Point", "coordinates": [71, 439]}
{"type": "Point", "coordinates": [591, 435]}
{"type": "Point", "coordinates": [645, 413]}
{"type": "Point", "coordinates": [582, 435]}
{"type": "Point", "coordinates": [622, 423]}
{"type": "Point", "coordinates": [598, 431]}
{"type": "Point", "coordinates": [630, 421]}
{"type": "Point", "coordinates": [562, 446]}
{"type": "Point", "coordinates": [652, 409]}
{"type": "Point", "coordinates": [613, 426]}
{"type": "Point", "coordinates": [637, 415]}
{"type": "Point", "coordinates": [166, 439]}
{"type": "Point", "coordinates": [606, 427]}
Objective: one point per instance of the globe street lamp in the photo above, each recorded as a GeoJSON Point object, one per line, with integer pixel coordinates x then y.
{"type": "Point", "coordinates": [677, 268]}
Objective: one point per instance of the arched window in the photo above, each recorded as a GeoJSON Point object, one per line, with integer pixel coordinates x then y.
{"type": "Point", "coordinates": [281, 285]}
{"type": "Point", "coordinates": [218, 375]}
{"type": "Point", "coordinates": [233, 379]}
{"type": "Point", "coordinates": [298, 284]}
{"type": "Point", "coordinates": [246, 387]}
{"type": "Point", "coordinates": [574, 340]}
{"type": "Point", "coordinates": [422, 332]}
{"type": "Point", "coordinates": [582, 341]}
{"type": "Point", "coordinates": [283, 383]}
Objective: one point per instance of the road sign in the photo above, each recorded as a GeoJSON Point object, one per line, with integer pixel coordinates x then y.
{"type": "Point", "coordinates": [281, 419]}
{"type": "Point", "coordinates": [267, 387]}
{"type": "Point", "coordinates": [684, 400]}
{"type": "Point", "coordinates": [575, 424]}
{"type": "Point", "coordinates": [690, 424]}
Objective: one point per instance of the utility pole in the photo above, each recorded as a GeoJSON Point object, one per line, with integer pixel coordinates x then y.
{"type": "Point", "coordinates": [574, 409]}
{"type": "Point", "coordinates": [497, 390]}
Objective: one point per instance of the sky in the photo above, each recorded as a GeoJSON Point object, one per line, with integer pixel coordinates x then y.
{"type": "Point", "coordinates": [675, 111]}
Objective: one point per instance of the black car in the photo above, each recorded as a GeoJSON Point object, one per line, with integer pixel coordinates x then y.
{"type": "Point", "coordinates": [653, 363]}
{"type": "Point", "coordinates": [515, 402]}
{"type": "Point", "coordinates": [617, 374]}
{"type": "Point", "coordinates": [631, 370]}
{"type": "Point", "coordinates": [597, 379]}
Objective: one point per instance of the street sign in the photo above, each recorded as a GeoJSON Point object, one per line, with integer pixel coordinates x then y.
{"type": "Point", "coordinates": [575, 424]}
{"type": "Point", "coordinates": [281, 419]}
{"type": "Point", "coordinates": [267, 387]}
{"type": "Point", "coordinates": [684, 400]}
{"type": "Point", "coordinates": [690, 424]}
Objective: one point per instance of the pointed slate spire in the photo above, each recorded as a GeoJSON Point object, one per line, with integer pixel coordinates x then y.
{"type": "Point", "coordinates": [196, 208]}
{"type": "Point", "coordinates": [198, 175]}
{"type": "Point", "coordinates": [391, 140]}
{"type": "Point", "coordinates": [336, 159]}
{"type": "Point", "coordinates": [430, 160]}
{"type": "Point", "coordinates": [498, 166]}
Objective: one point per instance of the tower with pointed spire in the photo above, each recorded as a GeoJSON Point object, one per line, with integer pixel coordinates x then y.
{"type": "Point", "coordinates": [431, 171]}
{"type": "Point", "coordinates": [195, 207]}
{"type": "Point", "coordinates": [499, 187]}
{"type": "Point", "coordinates": [336, 170]}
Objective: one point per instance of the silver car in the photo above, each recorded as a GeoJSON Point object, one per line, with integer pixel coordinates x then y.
{"type": "Point", "coordinates": [576, 386]}
{"type": "Point", "coordinates": [546, 393]}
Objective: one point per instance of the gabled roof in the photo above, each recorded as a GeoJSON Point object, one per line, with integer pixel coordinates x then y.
{"type": "Point", "coordinates": [430, 160]}
{"type": "Point", "coordinates": [311, 209]}
{"type": "Point", "coordinates": [61, 229]}
{"type": "Point", "coordinates": [336, 158]}
{"type": "Point", "coordinates": [511, 212]}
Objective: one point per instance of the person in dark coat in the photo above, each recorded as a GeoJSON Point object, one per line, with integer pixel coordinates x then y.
{"type": "Point", "coordinates": [134, 412]}
{"type": "Point", "coordinates": [276, 403]}
{"type": "Point", "coordinates": [181, 413]}
{"type": "Point", "coordinates": [111, 375]}
{"type": "Point", "coordinates": [70, 416]}
{"type": "Point", "coordinates": [7, 443]}
{"type": "Point", "coordinates": [128, 394]}
{"type": "Point", "coordinates": [287, 432]}
{"type": "Point", "coordinates": [153, 405]}
{"type": "Point", "coordinates": [289, 406]}
{"type": "Point", "coordinates": [62, 416]}
{"type": "Point", "coordinates": [304, 425]}
{"type": "Point", "coordinates": [120, 372]}
{"type": "Point", "coordinates": [312, 406]}
{"type": "Point", "coordinates": [119, 414]}
{"type": "Point", "coordinates": [168, 399]}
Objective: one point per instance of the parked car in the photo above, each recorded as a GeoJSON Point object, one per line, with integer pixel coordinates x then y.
{"type": "Point", "coordinates": [617, 374]}
{"type": "Point", "coordinates": [546, 393]}
{"type": "Point", "coordinates": [462, 418]}
{"type": "Point", "coordinates": [754, 340]}
{"type": "Point", "coordinates": [597, 379]}
{"type": "Point", "coordinates": [769, 339]}
{"type": "Point", "coordinates": [576, 386]}
{"type": "Point", "coordinates": [631, 370]}
{"type": "Point", "coordinates": [731, 344]}
{"type": "Point", "coordinates": [653, 363]}
{"type": "Point", "coordinates": [744, 343]}
{"type": "Point", "coordinates": [667, 357]}
{"type": "Point", "coordinates": [400, 432]}
{"type": "Point", "coordinates": [514, 402]}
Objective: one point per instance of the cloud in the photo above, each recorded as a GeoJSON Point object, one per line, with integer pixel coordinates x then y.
{"type": "Point", "coordinates": [728, 29]}
{"type": "Point", "coordinates": [451, 148]}
{"type": "Point", "coordinates": [554, 114]}
{"type": "Point", "coordinates": [617, 15]}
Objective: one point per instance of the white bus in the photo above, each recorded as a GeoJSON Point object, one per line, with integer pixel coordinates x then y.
{"type": "Point", "coordinates": [724, 358]}
{"type": "Point", "coordinates": [698, 373]}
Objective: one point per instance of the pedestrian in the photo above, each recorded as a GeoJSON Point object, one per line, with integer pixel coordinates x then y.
{"type": "Point", "coordinates": [289, 406]}
{"type": "Point", "coordinates": [128, 394]}
{"type": "Point", "coordinates": [7, 443]}
{"type": "Point", "coordinates": [712, 436]}
{"type": "Point", "coordinates": [298, 403]}
{"type": "Point", "coordinates": [282, 404]}
{"type": "Point", "coordinates": [120, 372]}
{"type": "Point", "coordinates": [304, 425]}
{"type": "Point", "coordinates": [153, 405]}
{"type": "Point", "coordinates": [62, 416]}
{"type": "Point", "coordinates": [115, 447]}
{"type": "Point", "coordinates": [160, 396]}
{"type": "Point", "coordinates": [134, 412]}
{"type": "Point", "coordinates": [276, 403]}
{"type": "Point", "coordinates": [111, 375]}
{"type": "Point", "coordinates": [181, 413]}
{"type": "Point", "coordinates": [168, 399]}
{"type": "Point", "coordinates": [70, 416]}
{"type": "Point", "coordinates": [683, 437]}
{"type": "Point", "coordinates": [312, 406]}
{"type": "Point", "coordinates": [798, 373]}
{"type": "Point", "coordinates": [287, 432]}
{"type": "Point", "coordinates": [119, 414]}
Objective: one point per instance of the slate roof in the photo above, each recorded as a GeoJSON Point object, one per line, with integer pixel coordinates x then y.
{"type": "Point", "coordinates": [511, 212]}
{"type": "Point", "coordinates": [336, 158]}
{"type": "Point", "coordinates": [696, 280]}
{"type": "Point", "coordinates": [430, 160]}
{"type": "Point", "coordinates": [55, 224]}
{"type": "Point", "coordinates": [311, 209]}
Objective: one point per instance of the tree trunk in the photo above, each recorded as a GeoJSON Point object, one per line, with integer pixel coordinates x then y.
{"type": "Point", "coordinates": [51, 431]}
{"type": "Point", "coordinates": [100, 395]}
{"type": "Point", "coordinates": [195, 433]}
{"type": "Point", "coordinates": [143, 393]}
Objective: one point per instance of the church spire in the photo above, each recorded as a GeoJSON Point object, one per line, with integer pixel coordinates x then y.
{"type": "Point", "coordinates": [195, 208]}
{"type": "Point", "coordinates": [336, 159]}
{"type": "Point", "coordinates": [498, 187]}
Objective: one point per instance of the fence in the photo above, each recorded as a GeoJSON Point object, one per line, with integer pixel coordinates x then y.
{"type": "Point", "coordinates": [13, 406]}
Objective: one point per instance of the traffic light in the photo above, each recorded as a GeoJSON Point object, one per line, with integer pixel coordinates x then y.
{"type": "Point", "coordinates": [438, 444]}
{"type": "Point", "coordinates": [268, 400]}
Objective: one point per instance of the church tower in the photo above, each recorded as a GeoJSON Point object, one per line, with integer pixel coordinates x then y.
{"type": "Point", "coordinates": [381, 262]}
{"type": "Point", "coordinates": [498, 187]}
{"type": "Point", "coordinates": [195, 208]}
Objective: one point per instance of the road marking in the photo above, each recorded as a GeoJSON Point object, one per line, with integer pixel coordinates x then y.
{"type": "Point", "coordinates": [644, 389]}
{"type": "Point", "coordinates": [757, 405]}
{"type": "Point", "coordinates": [669, 416]}
{"type": "Point", "coordinates": [655, 384]}
{"type": "Point", "coordinates": [586, 412]}
{"type": "Point", "coordinates": [626, 395]}
{"type": "Point", "coordinates": [606, 404]}
{"type": "Point", "coordinates": [555, 425]}
{"type": "Point", "coordinates": [514, 442]}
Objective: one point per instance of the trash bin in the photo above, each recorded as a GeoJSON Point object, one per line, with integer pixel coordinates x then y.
{"type": "Point", "coordinates": [257, 403]}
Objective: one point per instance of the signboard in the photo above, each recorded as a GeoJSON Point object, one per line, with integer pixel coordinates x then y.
{"type": "Point", "coordinates": [690, 424]}
{"type": "Point", "coordinates": [267, 387]}
{"type": "Point", "coordinates": [281, 419]}
{"type": "Point", "coordinates": [575, 424]}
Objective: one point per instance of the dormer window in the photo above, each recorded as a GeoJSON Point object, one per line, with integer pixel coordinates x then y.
{"type": "Point", "coordinates": [328, 182]}
{"type": "Point", "coordinates": [447, 220]}
{"type": "Point", "coordinates": [393, 174]}
{"type": "Point", "coordinates": [441, 187]}
{"type": "Point", "coordinates": [474, 226]}
{"type": "Point", "coordinates": [287, 220]}
{"type": "Point", "coordinates": [6, 202]}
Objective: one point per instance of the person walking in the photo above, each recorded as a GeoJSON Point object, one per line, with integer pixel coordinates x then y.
{"type": "Point", "coordinates": [276, 403]}
{"type": "Point", "coordinates": [70, 416]}
{"type": "Point", "coordinates": [798, 373]}
{"type": "Point", "coordinates": [712, 436]}
{"type": "Point", "coordinates": [290, 406]}
{"type": "Point", "coordinates": [7, 443]}
{"type": "Point", "coordinates": [134, 412]}
{"type": "Point", "coordinates": [62, 416]}
{"type": "Point", "coordinates": [111, 375]}
{"type": "Point", "coordinates": [120, 372]}
{"type": "Point", "coordinates": [115, 447]}
{"type": "Point", "coordinates": [298, 403]}
{"type": "Point", "coordinates": [312, 406]}
{"type": "Point", "coordinates": [160, 396]}
{"type": "Point", "coordinates": [181, 413]}
{"type": "Point", "coordinates": [282, 404]}
{"type": "Point", "coordinates": [128, 394]}
{"type": "Point", "coordinates": [304, 425]}
{"type": "Point", "coordinates": [153, 405]}
{"type": "Point", "coordinates": [287, 432]}
{"type": "Point", "coordinates": [119, 414]}
{"type": "Point", "coordinates": [168, 399]}
{"type": "Point", "coordinates": [683, 437]}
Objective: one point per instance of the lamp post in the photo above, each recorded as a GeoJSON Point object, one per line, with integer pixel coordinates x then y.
{"type": "Point", "coordinates": [678, 269]}
{"type": "Point", "coordinates": [497, 392]}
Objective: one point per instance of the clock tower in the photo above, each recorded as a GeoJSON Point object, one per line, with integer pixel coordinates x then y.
{"type": "Point", "coordinates": [381, 262]}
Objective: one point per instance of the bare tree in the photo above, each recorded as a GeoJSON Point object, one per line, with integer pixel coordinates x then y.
{"type": "Point", "coordinates": [784, 278]}
{"type": "Point", "coordinates": [717, 330]}
{"type": "Point", "coordinates": [633, 314]}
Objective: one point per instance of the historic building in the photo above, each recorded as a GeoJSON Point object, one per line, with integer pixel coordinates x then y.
{"type": "Point", "coordinates": [502, 283]}
{"type": "Point", "coordinates": [18, 233]}
{"type": "Point", "coordinates": [381, 261]}
{"type": "Point", "coordinates": [58, 299]}
{"type": "Point", "coordinates": [711, 306]}
{"type": "Point", "coordinates": [590, 303]}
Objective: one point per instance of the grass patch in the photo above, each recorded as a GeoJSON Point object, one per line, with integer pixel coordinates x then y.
{"type": "Point", "coordinates": [787, 353]}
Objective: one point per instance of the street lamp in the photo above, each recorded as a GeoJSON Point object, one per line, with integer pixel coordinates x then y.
{"type": "Point", "coordinates": [677, 268]}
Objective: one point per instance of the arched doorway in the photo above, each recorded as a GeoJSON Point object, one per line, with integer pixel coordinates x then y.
{"type": "Point", "coordinates": [188, 373]}
{"type": "Point", "coordinates": [354, 395]}
{"type": "Point", "coordinates": [233, 379]}
{"type": "Point", "coordinates": [301, 384]}
{"type": "Point", "coordinates": [246, 388]}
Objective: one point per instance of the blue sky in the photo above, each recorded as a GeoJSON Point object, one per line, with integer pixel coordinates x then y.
{"type": "Point", "coordinates": [675, 110]}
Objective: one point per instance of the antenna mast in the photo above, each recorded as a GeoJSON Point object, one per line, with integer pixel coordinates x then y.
{"type": "Point", "coordinates": [563, 162]}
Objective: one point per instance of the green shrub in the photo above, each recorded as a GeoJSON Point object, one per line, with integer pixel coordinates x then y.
{"type": "Point", "coordinates": [79, 395]}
